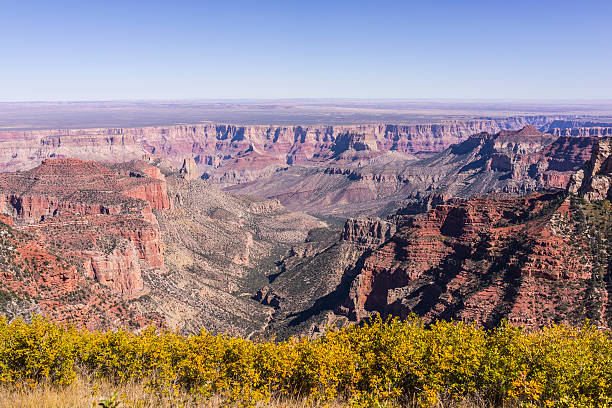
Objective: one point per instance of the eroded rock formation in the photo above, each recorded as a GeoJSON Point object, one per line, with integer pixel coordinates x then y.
{"type": "Point", "coordinates": [531, 260]}
{"type": "Point", "coordinates": [230, 152]}
{"type": "Point", "coordinates": [370, 232]}
{"type": "Point", "coordinates": [514, 162]}
{"type": "Point", "coordinates": [163, 245]}
{"type": "Point", "coordinates": [39, 278]}
{"type": "Point", "coordinates": [219, 250]}
{"type": "Point", "coordinates": [594, 182]}
{"type": "Point", "coordinates": [101, 215]}
{"type": "Point", "coordinates": [189, 170]}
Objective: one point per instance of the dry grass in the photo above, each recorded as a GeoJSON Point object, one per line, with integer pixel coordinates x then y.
{"type": "Point", "coordinates": [81, 394]}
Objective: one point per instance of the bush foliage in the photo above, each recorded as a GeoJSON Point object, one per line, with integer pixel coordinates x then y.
{"type": "Point", "coordinates": [368, 365]}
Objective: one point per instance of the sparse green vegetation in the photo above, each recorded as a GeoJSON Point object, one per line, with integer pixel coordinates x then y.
{"type": "Point", "coordinates": [5, 298]}
{"type": "Point", "coordinates": [593, 232]}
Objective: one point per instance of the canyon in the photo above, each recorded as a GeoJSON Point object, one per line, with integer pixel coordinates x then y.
{"type": "Point", "coordinates": [515, 162]}
{"type": "Point", "coordinates": [132, 244]}
{"type": "Point", "coordinates": [272, 231]}
{"type": "Point", "coordinates": [340, 171]}
{"type": "Point", "coordinates": [533, 260]}
{"type": "Point", "coordinates": [233, 153]}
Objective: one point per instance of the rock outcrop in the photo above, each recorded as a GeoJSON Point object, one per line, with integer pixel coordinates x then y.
{"type": "Point", "coordinates": [101, 215]}
{"type": "Point", "coordinates": [513, 162]}
{"type": "Point", "coordinates": [37, 277]}
{"type": "Point", "coordinates": [533, 260]}
{"type": "Point", "coordinates": [189, 170]}
{"type": "Point", "coordinates": [594, 182]}
{"type": "Point", "coordinates": [369, 232]}
{"type": "Point", "coordinates": [226, 151]}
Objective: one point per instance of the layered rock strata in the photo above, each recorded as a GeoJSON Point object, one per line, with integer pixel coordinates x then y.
{"type": "Point", "coordinates": [37, 278]}
{"type": "Point", "coordinates": [514, 162]}
{"type": "Point", "coordinates": [594, 182]}
{"type": "Point", "coordinates": [237, 150]}
{"type": "Point", "coordinates": [534, 260]}
{"type": "Point", "coordinates": [101, 215]}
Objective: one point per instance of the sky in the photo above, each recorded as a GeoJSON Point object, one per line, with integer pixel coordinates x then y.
{"type": "Point", "coordinates": [132, 50]}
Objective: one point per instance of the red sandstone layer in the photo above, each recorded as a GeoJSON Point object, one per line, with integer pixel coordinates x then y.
{"type": "Point", "coordinates": [100, 215]}
{"type": "Point", "coordinates": [530, 260]}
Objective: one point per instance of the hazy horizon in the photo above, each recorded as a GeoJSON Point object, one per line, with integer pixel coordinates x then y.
{"type": "Point", "coordinates": [92, 114]}
{"type": "Point", "coordinates": [552, 101]}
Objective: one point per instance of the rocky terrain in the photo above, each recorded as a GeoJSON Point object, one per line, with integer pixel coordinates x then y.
{"type": "Point", "coordinates": [78, 237]}
{"type": "Point", "coordinates": [231, 153]}
{"type": "Point", "coordinates": [594, 182]}
{"type": "Point", "coordinates": [219, 250]}
{"type": "Point", "coordinates": [525, 259]}
{"type": "Point", "coordinates": [102, 215]}
{"type": "Point", "coordinates": [314, 276]}
{"type": "Point", "coordinates": [343, 171]}
{"type": "Point", "coordinates": [37, 278]}
{"type": "Point", "coordinates": [126, 245]}
{"type": "Point", "coordinates": [533, 260]}
{"type": "Point", "coordinates": [88, 233]}
{"type": "Point", "coordinates": [515, 162]}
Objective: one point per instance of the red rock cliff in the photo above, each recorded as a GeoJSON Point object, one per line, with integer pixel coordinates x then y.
{"type": "Point", "coordinates": [531, 260]}
{"type": "Point", "coordinates": [594, 181]}
{"type": "Point", "coordinates": [102, 215]}
{"type": "Point", "coordinates": [220, 145]}
{"type": "Point", "coordinates": [37, 278]}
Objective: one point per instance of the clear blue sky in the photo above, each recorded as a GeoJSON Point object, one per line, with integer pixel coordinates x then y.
{"type": "Point", "coordinates": [92, 50]}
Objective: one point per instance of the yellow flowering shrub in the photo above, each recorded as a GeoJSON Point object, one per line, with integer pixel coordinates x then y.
{"type": "Point", "coordinates": [377, 363]}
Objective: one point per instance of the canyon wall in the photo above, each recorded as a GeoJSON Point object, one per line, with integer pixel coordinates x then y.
{"type": "Point", "coordinates": [101, 215]}
{"type": "Point", "coordinates": [233, 146]}
{"type": "Point", "coordinates": [367, 232]}
{"type": "Point", "coordinates": [36, 278]}
{"type": "Point", "coordinates": [531, 260]}
{"type": "Point", "coordinates": [594, 181]}
{"type": "Point", "coordinates": [514, 162]}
